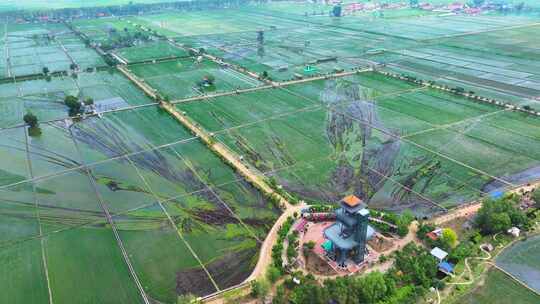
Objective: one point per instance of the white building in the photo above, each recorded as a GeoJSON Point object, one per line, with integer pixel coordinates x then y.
{"type": "Point", "coordinates": [439, 253]}
{"type": "Point", "coordinates": [514, 231]}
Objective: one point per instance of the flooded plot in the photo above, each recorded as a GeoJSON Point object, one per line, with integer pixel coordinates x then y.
{"type": "Point", "coordinates": [89, 256]}
{"type": "Point", "coordinates": [211, 22]}
{"type": "Point", "coordinates": [497, 152]}
{"type": "Point", "coordinates": [166, 272]}
{"type": "Point", "coordinates": [45, 97]}
{"type": "Point", "coordinates": [102, 29]}
{"type": "Point", "coordinates": [18, 214]}
{"type": "Point", "coordinates": [13, 148]}
{"type": "Point", "coordinates": [150, 51]}
{"type": "Point", "coordinates": [298, 52]}
{"type": "Point", "coordinates": [367, 141]}
{"type": "Point", "coordinates": [120, 186]}
{"type": "Point", "coordinates": [220, 240]}
{"type": "Point", "coordinates": [52, 151]}
{"type": "Point", "coordinates": [67, 201]}
{"type": "Point", "coordinates": [233, 111]}
{"type": "Point", "coordinates": [522, 261]}
{"type": "Point", "coordinates": [23, 275]}
{"type": "Point", "coordinates": [32, 49]}
{"type": "Point", "coordinates": [499, 64]}
{"type": "Point", "coordinates": [110, 90]}
{"type": "Point", "coordinates": [124, 132]}
{"type": "Point", "coordinates": [177, 79]}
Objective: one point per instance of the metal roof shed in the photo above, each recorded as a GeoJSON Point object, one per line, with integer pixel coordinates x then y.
{"type": "Point", "coordinates": [439, 253]}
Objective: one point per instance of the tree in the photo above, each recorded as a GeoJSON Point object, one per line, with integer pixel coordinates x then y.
{"type": "Point", "coordinates": [309, 292]}
{"type": "Point", "coordinates": [45, 70]}
{"type": "Point", "coordinates": [463, 250]}
{"type": "Point", "coordinates": [336, 11]}
{"type": "Point", "coordinates": [499, 222]}
{"type": "Point", "coordinates": [413, 3]}
{"type": "Point", "coordinates": [373, 287]}
{"type": "Point", "coordinates": [31, 120]}
{"type": "Point", "coordinates": [449, 238]}
{"type": "Point", "coordinates": [273, 274]}
{"type": "Point", "coordinates": [417, 265]}
{"type": "Point", "coordinates": [403, 222]}
{"type": "Point", "coordinates": [499, 215]}
{"type": "Point", "coordinates": [89, 101]}
{"type": "Point", "coordinates": [73, 105]}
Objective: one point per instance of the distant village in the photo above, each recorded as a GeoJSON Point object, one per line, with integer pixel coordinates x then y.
{"type": "Point", "coordinates": [337, 9]}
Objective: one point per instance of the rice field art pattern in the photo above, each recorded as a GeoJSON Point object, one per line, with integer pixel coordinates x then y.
{"type": "Point", "coordinates": [130, 206]}
{"type": "Point", "coordinates": [397, 145]}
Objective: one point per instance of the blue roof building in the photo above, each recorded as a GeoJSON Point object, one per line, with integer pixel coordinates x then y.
{"type": "Point", "coordinates": [446, 267]}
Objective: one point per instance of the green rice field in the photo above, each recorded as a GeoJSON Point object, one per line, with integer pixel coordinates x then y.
{"type": "Point", "coordinates": [28, 48]}
{"type": "Point", "coordinates": [420, 149]}
{"type": "Point", "coordinates": [498, 288]}
{"type": "Point", "coordinates": [522, 261]}
{"type": "Point", "coordinates": [151, 51]}
{"type": "Point", "coordinates": [178, 79]}
{"type": "Point", "coordinates": [163, 189]}
{"type": "Point", "coordinates": [127, 203]}
{"type": "Point", "coordinates": [45, 97]}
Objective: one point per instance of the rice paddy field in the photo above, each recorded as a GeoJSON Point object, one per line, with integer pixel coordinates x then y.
{"type": "Point", "coordinates": [177, 79]}
{"type": "Point", "coordinates": [186, 221]}
{"type": "Point", "coordinates": [401, 146]}
{"type": "Point", "coordinates": [499, 289]}
{"type": "Point", "coordinates": [150, 51]}
{"type": "Point", "coordinates": [45, 97]}
{"type": "Point", "coordinates": [522, 261]}
{"type": "Point", "coordinates": [28, 48]}
{"type": "Point", "coordinates": [30, 5]}
{"type": "Point", "coordinates": [133, 207]}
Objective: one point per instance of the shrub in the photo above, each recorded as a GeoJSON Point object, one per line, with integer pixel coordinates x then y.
{"type": "Point", "coordinates": [310, 245]}
{"type": "Point", "coordinates": [449, 238]}
{"type": "Point", "coordinates": [73, 105]}
{"type": "Point", "coordinates": [89, 101]}
{"type": "Point", "coordinates": [259, 289]}
{"type": "Point", "coordinates": [273, 274]}
{"type": "Point", "coordinates": [31, 120]}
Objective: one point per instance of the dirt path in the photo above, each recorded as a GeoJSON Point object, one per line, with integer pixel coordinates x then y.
{"type": "Point", "coordinates": [473, 207]}
{"type": "Point", "coordinates": [143, 86]}
{"type": "Point", "coordinates": [265, 255]}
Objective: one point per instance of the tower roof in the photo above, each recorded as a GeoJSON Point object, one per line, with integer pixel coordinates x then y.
{"type": "Point", "coordinates": [351, 200]}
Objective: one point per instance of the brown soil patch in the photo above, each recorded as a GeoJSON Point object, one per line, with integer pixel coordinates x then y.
{"type": "Point", "coordinates": [317, 265]}
{"type": "Point", "coordinates": [380, 244]}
